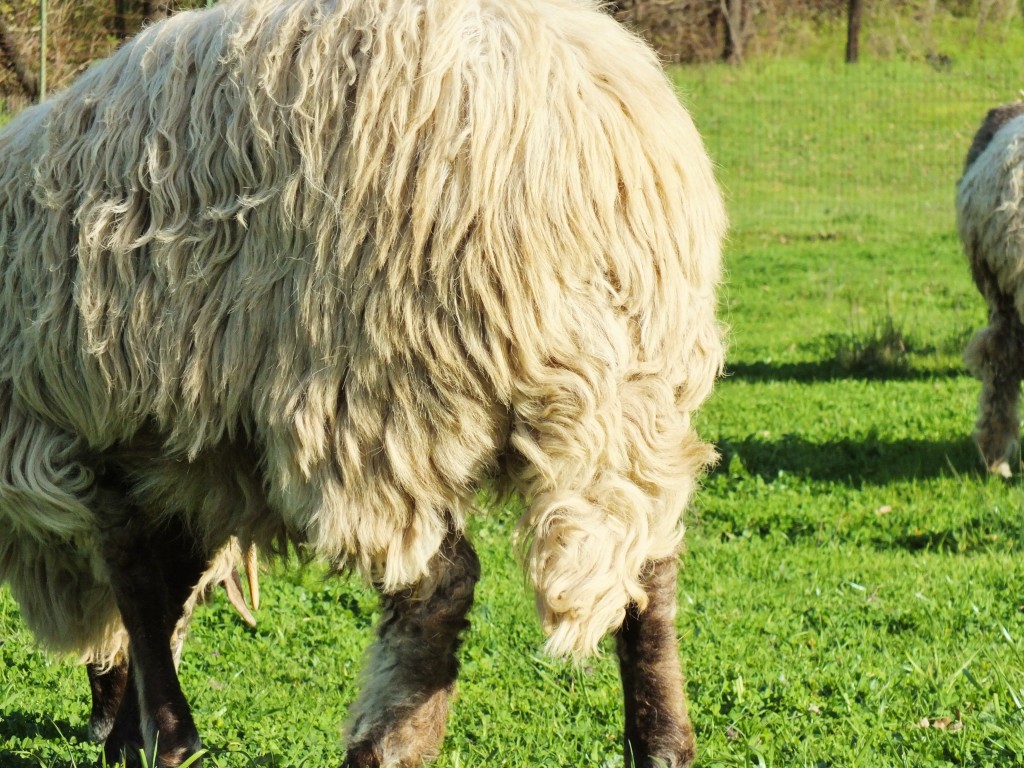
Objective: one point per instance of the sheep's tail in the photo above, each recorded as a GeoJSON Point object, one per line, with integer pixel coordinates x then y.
{"type": "Point", "coordinates": [607, 487]}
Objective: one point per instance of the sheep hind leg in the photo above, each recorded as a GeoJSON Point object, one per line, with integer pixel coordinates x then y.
{"type": "Point", "coordinates": [152, 576]}
{"type": "Point", "coordinates": [996, 356]}
{"type": "Point", "coordinates": [399, 718]}
{"type": "Point", "coordinates": [124, 743]}
{"type": "Point", "coordinates": [658, 730]}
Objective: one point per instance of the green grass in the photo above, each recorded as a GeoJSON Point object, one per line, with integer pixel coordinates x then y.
{"type": "Point", "coordinates": [819, 150]}
{"type": "Point", "coordinates": [812, 149]}
{"type": "Point", "coordinates": [853, 590]}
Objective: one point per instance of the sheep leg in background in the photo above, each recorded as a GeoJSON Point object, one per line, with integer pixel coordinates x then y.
{"type": "Point", "coordinates": [399, 718]}
{"type": "Point", "coordinates": [108, 686]}
{"type": "Point", "coordinates": [124, 741]}
{"type": "Point", "coordinates": [658, 730]}
{"type": "Point", "coordinates": [107, 689]}
{"type": "Point", "coordinates": [996, 356]}
{"type": "Point", "coordinates": [152, 576]}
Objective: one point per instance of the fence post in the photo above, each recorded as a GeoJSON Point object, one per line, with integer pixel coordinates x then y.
{"type": "Point", "coordinates": [42, 49]}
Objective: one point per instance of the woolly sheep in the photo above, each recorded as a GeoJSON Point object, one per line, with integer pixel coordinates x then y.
{"type": "Point", "coordinates": [315, 272]}
{"type": "Point", "coordinates": [990, 219]}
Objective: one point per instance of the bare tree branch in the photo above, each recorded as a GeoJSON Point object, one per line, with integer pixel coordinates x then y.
{"type": "Point", "coordinates": [28, 82]}
{"type": "Point", "coordinates": [739, 17]}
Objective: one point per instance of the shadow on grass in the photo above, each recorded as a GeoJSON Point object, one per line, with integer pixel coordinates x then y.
{"type": "Point", "coordinates": [18, 725]}
{"type": "Point", "coordinates": [856, 462]}
{"type": "Point", "coordinates": [29, 725]}
{"type": "Point", "coordinates": [881, 350]}
{"type": "Point", "coordinates": [830, 370]}
{"type": "Point", "coordinates": [974, 534]}
{"type": "Point", "coordinates": [961, 530]}
{"type": "Point", "coordinates": [75, 746]}
{"type": "Point", "coordinates": [10, 759]}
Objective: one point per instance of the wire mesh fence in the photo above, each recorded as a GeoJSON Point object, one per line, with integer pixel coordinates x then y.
{"type": "Point", "coordinates": [44, 44]}
{"type": "Point", "coordinates": [790, 165]}
{"type": "Point", "coordinates": [879, 147]}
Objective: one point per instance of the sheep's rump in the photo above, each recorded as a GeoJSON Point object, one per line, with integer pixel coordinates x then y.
{"type": "Point", "coordinates": [319, 269]}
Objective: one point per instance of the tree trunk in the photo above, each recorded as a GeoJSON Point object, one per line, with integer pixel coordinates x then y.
{"type": "Point", "coordinates": [28, 82]}
{"type": "Point", "coordinates": [738, 16]}
{"type": "Point", "coordinates": [121, 11]}
{"type": "Point", "coordinates": [854, 8]}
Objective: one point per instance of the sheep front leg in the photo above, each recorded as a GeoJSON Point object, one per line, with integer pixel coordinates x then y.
{"type": "Point", "coordinates": [658, 730]}
{"type": "Point", "coordinates": [399, 719]}
{"type": "Point", "coordinates": [152, 576]}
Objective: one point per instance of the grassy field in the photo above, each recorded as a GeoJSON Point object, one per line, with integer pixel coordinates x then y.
{"type": "Point", "coordinates": [852, 591]}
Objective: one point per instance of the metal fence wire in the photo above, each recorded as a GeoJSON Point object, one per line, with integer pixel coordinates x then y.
{"type": "Point", "coordinates": [47, 43]}
{"type": "Point", "coordinates": [878, 147]}
{"type": "Point", "coordinates": [789, 164]}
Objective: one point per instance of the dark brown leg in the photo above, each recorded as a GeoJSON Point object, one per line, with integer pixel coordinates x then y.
{"type": "Point", "coordinates": [152, 573]}
{"type": "Point", "coordinates": [399, 719]}
{"type": "Point", "coordinates": [658, 731]}
{"type": "Point", "coordinates": [107, 689]}
{"type": "Point", "coordinates": [996, 356]}
{"type": "Point", "coordinates": [124, 742]}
